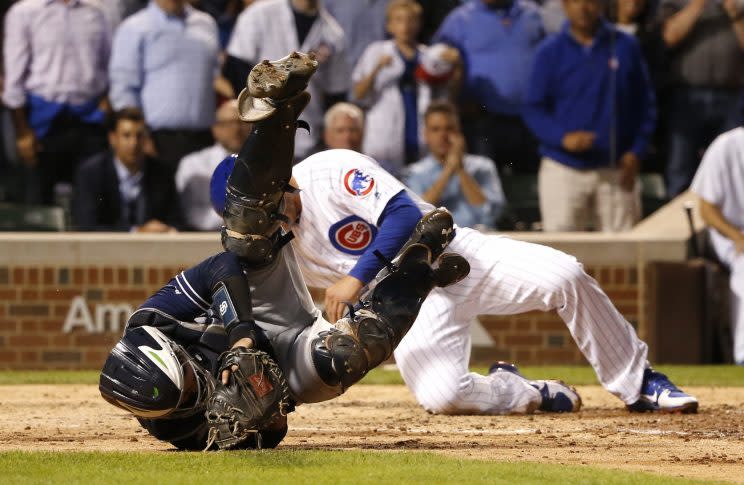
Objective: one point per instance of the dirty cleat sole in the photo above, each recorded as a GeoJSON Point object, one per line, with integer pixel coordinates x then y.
{"type": "Point", "coordinates": [282, 78]}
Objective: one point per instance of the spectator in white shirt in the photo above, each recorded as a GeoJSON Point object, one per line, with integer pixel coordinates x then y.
{"type": "Point", "coordinates": [195, 169]}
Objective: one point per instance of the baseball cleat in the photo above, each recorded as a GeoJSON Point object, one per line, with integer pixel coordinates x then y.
{"type": "Point", "coordinates": [273, 84]}
{"type": "Point", "coordinates": [557, 396]}
{"type": "Point", "coordinates": [452, 269]}
{"type": "Point", "coordinates": [658, 394]}
{"type": "Point", "coordinates": [283, 78]}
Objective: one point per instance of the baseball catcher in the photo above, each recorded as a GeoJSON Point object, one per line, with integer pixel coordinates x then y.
{"type": "Point", "coordinates": [221, 354]}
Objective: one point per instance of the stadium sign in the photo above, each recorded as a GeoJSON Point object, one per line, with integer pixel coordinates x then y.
{"type": "Point", "coordinates": [105, 317]}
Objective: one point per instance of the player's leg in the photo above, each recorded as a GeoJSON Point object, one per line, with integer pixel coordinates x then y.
{"type": "Point", "coordinates": [433, 360]}
{"type": "Point", "coordinates": [527, 277]}
{"type": "Point", "coordinates": [534, 277]}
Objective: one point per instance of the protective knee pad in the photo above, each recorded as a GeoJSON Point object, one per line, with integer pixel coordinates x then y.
{"type": "Point", "coordinates": [256, 186]}
{"type": "Point", "coordinates": [358, 343]}
{"type": "Point", "coordinates": [153, 377]}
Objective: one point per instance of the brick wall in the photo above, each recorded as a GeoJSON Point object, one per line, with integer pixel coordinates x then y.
{"type": "Point", "coordinates": [69, 317]}
{"type": "Point", "coordinates": [35, 303]}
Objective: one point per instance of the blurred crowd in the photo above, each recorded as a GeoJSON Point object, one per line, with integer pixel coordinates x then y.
{"type": "Point", "coordinates": [119, 110]}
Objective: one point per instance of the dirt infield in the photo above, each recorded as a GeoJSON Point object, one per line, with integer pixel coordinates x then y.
{"type": "Point", "coordinates": [707, 445]}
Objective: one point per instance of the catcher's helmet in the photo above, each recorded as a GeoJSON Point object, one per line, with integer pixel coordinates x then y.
{"type": "Point", "coordinates": [147, 374]}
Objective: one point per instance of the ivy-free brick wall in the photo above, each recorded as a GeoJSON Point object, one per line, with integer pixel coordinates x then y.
{"type": "Point", "coordinates": [35, 301]}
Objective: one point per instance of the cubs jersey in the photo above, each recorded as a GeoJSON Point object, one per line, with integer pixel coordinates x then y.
{"type": "Point", "coordinates": [343, 194]}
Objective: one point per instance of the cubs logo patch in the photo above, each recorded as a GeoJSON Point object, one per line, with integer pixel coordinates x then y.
{"type": "Point", "coordinates": [352, 235]}
{"type": "Point", "coordinates": [358, 183]}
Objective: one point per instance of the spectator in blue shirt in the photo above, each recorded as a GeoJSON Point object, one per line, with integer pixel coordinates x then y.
{"type": "Point", "coordinates": [468, 185]}
{"type": "Point", "coordinates": [497, 40]}
{"type": "Point", "coordinates": [164, 60]}
{"type": "Point", "coordinates": [591, 104]}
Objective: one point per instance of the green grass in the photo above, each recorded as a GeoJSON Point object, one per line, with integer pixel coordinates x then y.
{"type": "Point", "coordinates": [682, 375]}
{"type": "Point", "coordinates": [315, 467]}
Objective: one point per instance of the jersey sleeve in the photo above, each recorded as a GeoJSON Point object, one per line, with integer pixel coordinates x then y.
{"type": "Point", "coordinates": [364, 188]}
{"type": "Point", "coordinates": [709, 178]}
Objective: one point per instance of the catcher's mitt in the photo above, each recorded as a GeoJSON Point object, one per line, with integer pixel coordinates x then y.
{"type": "Point", "coordinates": [256, 394]}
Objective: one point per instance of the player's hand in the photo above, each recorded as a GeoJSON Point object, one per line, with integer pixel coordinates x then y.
{"type": "Point", "coordinates": [344, 290]}
{"type": "Point", "coordinates": [27, 146]}
{"type": "Point", "coordinates": [629, 164]}
{"type": "Point", "coordinates": [578, 141]}
{"type": "Point", "coordinates": [244, 342]}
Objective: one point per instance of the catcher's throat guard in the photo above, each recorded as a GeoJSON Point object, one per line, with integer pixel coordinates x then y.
{"type": "Point", "coordinates": [150, 376]}
{"type": "Point", "coordinates": [256, 394]}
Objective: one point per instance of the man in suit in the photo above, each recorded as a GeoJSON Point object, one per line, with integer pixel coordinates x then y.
{"type": "Point", "coordinates": [122, 189]}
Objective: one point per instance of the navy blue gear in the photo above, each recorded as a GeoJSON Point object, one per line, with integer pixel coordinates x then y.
{"type": "Point", "coordinates": [257, 183]}
{"type": "Point", "coordinates": [191, 294]}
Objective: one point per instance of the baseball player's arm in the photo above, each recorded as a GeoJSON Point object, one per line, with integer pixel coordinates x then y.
{"type": "Point", "coordinates": [398, 219]}
{"type": "Point", "coordinates": [713, 216]}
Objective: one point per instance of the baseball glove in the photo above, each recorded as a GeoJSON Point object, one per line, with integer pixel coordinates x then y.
{"type": "Point", "coordinates": [256, 394]}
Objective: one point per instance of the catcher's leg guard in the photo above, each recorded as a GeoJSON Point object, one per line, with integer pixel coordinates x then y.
{"type": "Point", "coordinates": [274, 99]}
{"type": "Point", "coordinates": [368, 336]}
{"type": "Point", "coordinates": [435, 230]}
{"type": "Point", "coordinates": [152, 377]}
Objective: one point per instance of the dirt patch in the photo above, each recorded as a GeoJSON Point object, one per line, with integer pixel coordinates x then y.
{"type": "Point", "coordinates": [707, 445]}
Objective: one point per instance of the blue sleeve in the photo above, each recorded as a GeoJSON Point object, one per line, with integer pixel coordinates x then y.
{"type": "Point", "coordinates": [538, 110]}
{"type": "Point", "coordinates": [396, 223]}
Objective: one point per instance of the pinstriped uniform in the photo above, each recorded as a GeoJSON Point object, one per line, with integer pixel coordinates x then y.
{"type": "Point", "coordinates": [506, 277]}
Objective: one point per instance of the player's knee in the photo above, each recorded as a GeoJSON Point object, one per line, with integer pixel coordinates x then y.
{"type": "Point", "coordinates": [441, 392]}
{"type": "Point", "coordinates": [570, 273]}
{"type": "Point", "coordinates": [443, 400]}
